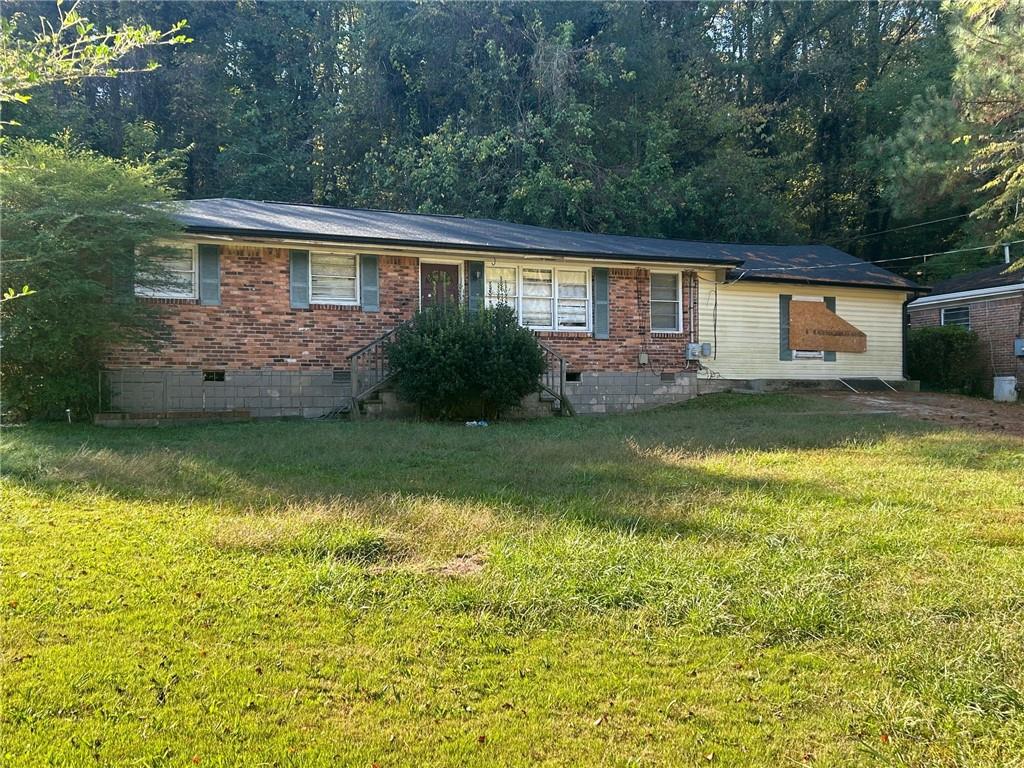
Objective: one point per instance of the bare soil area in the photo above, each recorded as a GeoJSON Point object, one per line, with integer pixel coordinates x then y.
{"type": "Point", "coordinates": [956, 410]}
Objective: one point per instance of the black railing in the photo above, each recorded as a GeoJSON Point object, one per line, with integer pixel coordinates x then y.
{"type": "Point", "coordinates": [369, 369]}
{"type": "Point", "coordinates": [552, 380]}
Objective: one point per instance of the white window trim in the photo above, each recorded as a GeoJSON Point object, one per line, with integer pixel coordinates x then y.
{"type": "Point", "coordinates": [808, 354]}
{"type": "Point", "coordinates": [156, 293]}
{"type": "Point", "coordinates": [335, 301]}
{"type": "Point", "coordinates": [679, 300]}
{"type": "Point", "coordinates": [942, 318]}
{"type": "Point", "coordinates": [555, 269]}
{"type": "Point", "coordinates": [588, 300]}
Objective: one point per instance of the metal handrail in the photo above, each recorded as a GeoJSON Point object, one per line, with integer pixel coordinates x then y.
{"type": "Point", "coordinates": [375, 354]}
{"type": "Point", "coordinates": [372, 359]}
{"type": "Point", "coordinates": [552, 380]}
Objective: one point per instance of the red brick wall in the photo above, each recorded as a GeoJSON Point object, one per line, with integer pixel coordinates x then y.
{"type": "Point", "coordinates": [997, 322]}
{"type": "Point", "coordinates": [254, 327]}
{"type": "Point", "coordinates": [629, 332]}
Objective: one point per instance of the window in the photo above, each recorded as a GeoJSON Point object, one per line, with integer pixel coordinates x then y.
{"type": "Point", "coordinates": [538, 298]}
{"type": "Point", "coordinates": [666, 302]}
{"type": "Point", "coordinates": [544, 298]}
{"type": "Point", "coordinates": [808, 354]}
{"type": "Point", "coordinates": [213, 375]}
{"type": "Point", "coordinates": [957, 316]}
{"type": "Point", "coordinates": [173, 277]}
{"type": "Point", "coordinates": [573, 298]}
{"type": "Point", "coordinates": [502, 286]}
{"type": "Point", "coordinates": [333, 278]}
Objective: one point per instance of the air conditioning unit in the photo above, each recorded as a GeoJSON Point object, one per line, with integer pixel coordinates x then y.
{"type": "Point", "coordinates": [696, 351]}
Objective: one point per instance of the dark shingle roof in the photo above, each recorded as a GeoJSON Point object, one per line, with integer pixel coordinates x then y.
{"type": "Point", "coordinates": [284, 220]}
{"type": "Point", "coordinates": [989, 277]}
{"type": "Point", "coordinates": [815, 264]}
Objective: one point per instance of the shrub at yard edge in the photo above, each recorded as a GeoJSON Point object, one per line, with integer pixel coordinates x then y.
{"type": "Point", "coordinates": [946, 358]}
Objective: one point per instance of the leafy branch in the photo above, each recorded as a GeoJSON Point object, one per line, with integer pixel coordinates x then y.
{"type": "Point", "coordinates": [10, 293]}
{"type": "Point", "coordinates": [71, 49]}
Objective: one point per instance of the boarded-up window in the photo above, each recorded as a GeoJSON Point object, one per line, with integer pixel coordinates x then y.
{"type": "Point", "coordinates": [813, 327]}
{"type": "Point", "coordinates": [333, 278]}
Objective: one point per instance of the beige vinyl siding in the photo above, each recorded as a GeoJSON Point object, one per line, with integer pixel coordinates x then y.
{"type": "Point", "coordinates": [748, 331]}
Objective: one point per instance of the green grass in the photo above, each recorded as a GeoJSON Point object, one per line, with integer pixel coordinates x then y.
{"type": "Point", "coordinates": [738, 581]}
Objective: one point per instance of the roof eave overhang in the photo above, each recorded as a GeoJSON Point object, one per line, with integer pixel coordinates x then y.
{"type": "Point", "coordinates": [978, 294]}
{"type": "Point", "coordinates": [313, 237]}
{"type": "Point", "coordinates": [912, 288]}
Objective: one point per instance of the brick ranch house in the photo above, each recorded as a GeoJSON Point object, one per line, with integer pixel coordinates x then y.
{"type": "Point", "coordinates": [989, 302]}
{"type": "Point", "coordinates": [268, 306]}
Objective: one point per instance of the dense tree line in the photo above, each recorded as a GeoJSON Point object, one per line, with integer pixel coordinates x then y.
{"type": "Point", "coordinates": [746, 120]}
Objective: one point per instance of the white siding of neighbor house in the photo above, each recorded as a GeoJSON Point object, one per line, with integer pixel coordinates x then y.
{"type": "Point", "coordinates": [748, 331]}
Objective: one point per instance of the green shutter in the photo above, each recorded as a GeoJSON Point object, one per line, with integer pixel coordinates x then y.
{"type": "Point", "coordinates": [830, 304]}
{"type": "Point", "coordinates": [600, 303]}
{"type": "Point", "coordinates": [785, 353]}
{"type": "Point", "coordinates": [369, 283]}
{"type": "Point", "coordinates": [300, 279]}
{"type": "Point", "coordinates": [209, 275]}
{"type": "Point", "coordinates": [476, 285]}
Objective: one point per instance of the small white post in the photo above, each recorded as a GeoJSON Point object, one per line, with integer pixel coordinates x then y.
{"type": "Point", "coordinates": [1006, 253]}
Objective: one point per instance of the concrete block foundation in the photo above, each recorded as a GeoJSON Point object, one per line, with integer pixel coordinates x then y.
{"type": "Point", "coordinates": [312, 394]}
{"type": "Point", "coordinates": [264, 394]}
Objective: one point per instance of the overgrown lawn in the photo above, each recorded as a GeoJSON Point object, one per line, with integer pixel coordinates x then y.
{"type": "Point", "coordinates": [737, 581]}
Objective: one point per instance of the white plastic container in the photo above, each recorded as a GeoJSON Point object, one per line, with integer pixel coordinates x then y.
{"type": "Point", "coordinates": [1004, 389]}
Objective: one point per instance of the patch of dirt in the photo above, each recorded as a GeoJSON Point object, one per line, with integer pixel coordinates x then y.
{"type": "Point", "coordinates": [462, 565]}
{"type": "Point", "coordinates": [953, 410]}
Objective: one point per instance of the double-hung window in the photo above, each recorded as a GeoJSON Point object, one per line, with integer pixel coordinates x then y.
{"type": "Point", "coordinates": [171, 275]}
{"type": "Point", "coordinates": [957, 316]}
{"type": "Point", "coordinates": [666, 302]}
{"type": "Point", "coordinates": [502, 286]}
{"type": "Point", "coordinates": [333, 278]}
{"type": "Point", "coordinates": [538, 297]}
{"type": "Point", "coordinates": [573, 299]}
{"type": "Point", "coordinates": [544, 298]}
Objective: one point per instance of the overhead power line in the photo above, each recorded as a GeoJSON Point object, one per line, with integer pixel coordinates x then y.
{"type": "Point", "coordinates": [900, 229]}
{"type": "Point", "coordinates": [880, 261]}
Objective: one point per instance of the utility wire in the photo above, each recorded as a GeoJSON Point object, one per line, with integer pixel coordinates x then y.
{"type": "Point", "coordinates": [880, 261]}
{"type": "Point", "coordinates": [900, 229]}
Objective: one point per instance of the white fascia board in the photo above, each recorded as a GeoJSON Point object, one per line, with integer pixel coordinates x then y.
{"type": "Point", "coordinates": [980, 294]}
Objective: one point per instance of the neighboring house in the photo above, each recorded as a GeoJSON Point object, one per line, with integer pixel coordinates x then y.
{"type": "Point", "coordinates": [269, 305]}
{"type": "Point", "coordinates": [989, 302]}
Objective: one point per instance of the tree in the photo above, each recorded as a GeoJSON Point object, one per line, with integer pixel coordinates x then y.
{"type": "Point", "coordinates": [71, 49]}
{"type": "Point", "coordinates": [77, 225]}
{"type": "Point", "coordinates": [989, 78]}
{"type": "Point", "coordinates": [708, 120]}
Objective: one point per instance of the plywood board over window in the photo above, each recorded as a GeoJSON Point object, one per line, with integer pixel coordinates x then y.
{"type": "Point", "coordinates": [812, 325]}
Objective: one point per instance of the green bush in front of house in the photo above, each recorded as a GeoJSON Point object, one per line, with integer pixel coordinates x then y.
{"type": "Point", "coordinates": [453, 363]}
{"type": "Point", "coordinates": [947, 358]}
